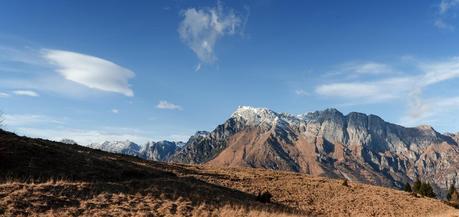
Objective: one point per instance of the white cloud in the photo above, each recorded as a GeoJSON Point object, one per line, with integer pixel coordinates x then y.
{"type": "Point", "coordinates": [427, 110]}
{"type": "Point", "coordinates": [444, 12]}
{"type": "Point", "coordinates": [440, 71]}
{"type": "Point", "coordinates": [371, 68]}
{"type": "Point", "coordinates": [26, 93]}
{"type": "Point", "coordinates": [446, 5]}
{"type": "Point", "coordinates": [365, 92]}
{"type": "Point", "coordinates": [439, 23]}
{"type": "Point", "coordinates": [28, 119]}
{"type": "Point", "coordinates": [301, 92]}
{"type": "Point", "coordinates": [198, 67]}
{"type": "Point", "coordinates": [91, 71]}
{"type": "Point", "coordinates": [115, 111]}
{"type": "Point", "coordinates": [167, 105]}
{"type": "Point", "coordinates": [3, 95]}
{"type": "Point", "coordinates": [200, 29]}
{"type": "Point", "coordinates": [407, 88]}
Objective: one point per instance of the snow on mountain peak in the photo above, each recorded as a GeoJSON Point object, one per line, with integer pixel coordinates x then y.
{"type": "Point", "coordinates": [255, 115]}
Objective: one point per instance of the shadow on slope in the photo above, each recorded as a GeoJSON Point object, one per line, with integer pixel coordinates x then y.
{"type": "Point", "coordinates": [90, 179]}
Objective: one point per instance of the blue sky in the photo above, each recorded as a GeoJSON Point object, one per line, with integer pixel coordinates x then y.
{"type": "Point", "coordinates": [153, 70]}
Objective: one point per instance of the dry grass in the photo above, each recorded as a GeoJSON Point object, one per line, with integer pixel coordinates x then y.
{"type": "Point", "coordinates": [103, 184]}
{"type": "Point", "coordinates": [108, 199]}
{"type": "Point", "coordinates": [203, 191]}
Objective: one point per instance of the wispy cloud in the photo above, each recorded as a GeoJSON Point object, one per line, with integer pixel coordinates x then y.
{"type": "Point", "coordinates": [200, 29]}
{"type": "Point", "coordinates": [439, 23]}
{"type": "Point", "coordinates": [62, 72]}
{"type": "Point", "coordinates": [407, 88]}
{"type": "Point", "coordinates": [367, 68]}
{"type": "Point", "coordinates": [301, 92]}
{"type": "Point", "coordinates": [444, 12]}
{"type": "Point", "coordinates": [91, 71]}
{"type": "Point", "coordinates": [198, 67]}
{"type": "Point", "coordinates": [446, 5]}
{"type": "Point", "coordinates": [115, 111]}
{"type": "Point", "coordinates": [367, 92]}
{"type": "Point", "coordinates": [29, 119]}
{"type": "Point", "coordinates": [3, 95]}
{"type": "Point", "coordinates": [30, 93]}
{"type": "Point", "coordinates": [167, 105]}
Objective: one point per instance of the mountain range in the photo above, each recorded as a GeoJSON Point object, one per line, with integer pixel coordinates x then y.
{"type": "Point", "coordinates": [327, 143]}
{"type": "Point", "coordinates": [45, 178]}
{"type": "Point", "coordinates": [157, 151]}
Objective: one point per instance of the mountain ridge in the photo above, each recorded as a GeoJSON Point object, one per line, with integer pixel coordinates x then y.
{"type": "Point", "coordinates": [328, 143]}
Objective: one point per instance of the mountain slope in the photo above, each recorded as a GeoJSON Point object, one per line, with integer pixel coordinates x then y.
{"type": "Point", "coordinates": [106, 184]}
{"type": "Point", "coordinates": [327, 143]}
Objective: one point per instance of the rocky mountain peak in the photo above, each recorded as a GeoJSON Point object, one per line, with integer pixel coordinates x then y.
{"type": "Point", "coordinates": [255, 115]}
{"type": "Point", "coordinates": [426, 128]}
{"type": "Point", "coordinates": [328, 143]}
{"type": "Point", "coordinates": [327, 114]}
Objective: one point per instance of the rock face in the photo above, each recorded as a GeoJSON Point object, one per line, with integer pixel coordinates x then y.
{"type": "Point", "coordinates": [355, 146]}
{"type": "Point", "coordinates": [160, 151]}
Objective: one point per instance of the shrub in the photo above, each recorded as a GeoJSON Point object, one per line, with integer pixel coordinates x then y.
{"type": "Point", "coordinates": [417, 185]}
{"type": "Point", "coordinates": [423, 188]}
{"type": "Point", "coordinates": [407, 187]}
{"type": "Point", "coordinates": [426, 190]}
{"type": "Point", "coordinates": [264, 197]}
{"type": "Point", "coordinates": [451, 191]}
{"type": "Point", "coordinates": [455, 197]}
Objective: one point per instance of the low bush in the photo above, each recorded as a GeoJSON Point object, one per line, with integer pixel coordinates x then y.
{"type": "Point", "coordinates": [264, 197]}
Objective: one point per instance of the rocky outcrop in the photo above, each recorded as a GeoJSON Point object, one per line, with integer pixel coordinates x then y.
{"type": "Point", "coordinates": [327, 143]}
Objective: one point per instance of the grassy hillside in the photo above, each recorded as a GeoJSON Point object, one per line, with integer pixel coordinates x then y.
{"type": "Point", "coordinates": [40, 177]}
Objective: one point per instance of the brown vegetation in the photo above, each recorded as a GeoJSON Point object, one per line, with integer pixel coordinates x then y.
{"type": "Point", "coordinates": [85, 182]}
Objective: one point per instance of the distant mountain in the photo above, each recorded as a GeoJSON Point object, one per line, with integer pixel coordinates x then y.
{"type": "Point", "coordinates": [121, 147]}
{"type": "Point", "coordinates": [157, 151]}
{"type": "Point", "coordinates": [46, 178]}
{"type": "Point", "coordinates": [160, 151]}
{"type": "Point", "coordinates": [327, 143]}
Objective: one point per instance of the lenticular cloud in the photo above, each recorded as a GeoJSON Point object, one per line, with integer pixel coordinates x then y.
{"type": "Point", "coordinates": [91, 71]}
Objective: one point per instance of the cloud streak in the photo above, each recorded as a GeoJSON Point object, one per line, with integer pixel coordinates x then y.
{"type": "Point", "coordinates": [200, 29]}
{"type": "Point", "coordinates": [444, 13]}
{"type": "Point", "coordinates": [168, 106]}
{"type": "Point", "coordinates": [26, 93]}
{"type": "Point", "coordinates": [29, 119]}
{"type": "Point", "coordinates": [4, 95]}
{"type": "Point", "coordinates": [91, 71]}
{"type": "Point", "coordinates": [367, 92]}
{"type": "Point", "coordinates": [407, 88]}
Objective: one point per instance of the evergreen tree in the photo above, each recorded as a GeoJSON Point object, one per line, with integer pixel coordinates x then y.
{"type": "Point", "coordinates": [451, 190]}
{"type": "Point", "coordinates": [426, 190]}
{"type": "Point", "coordinates": [407, 187]}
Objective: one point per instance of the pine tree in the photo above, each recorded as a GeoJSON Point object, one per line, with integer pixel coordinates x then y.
{"type": "Point", "coordinates": [451, 190]}
{"type": "Point", "coordinates": [426, 190]}
{"type": "Point", "coordinates": [407, 187]}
